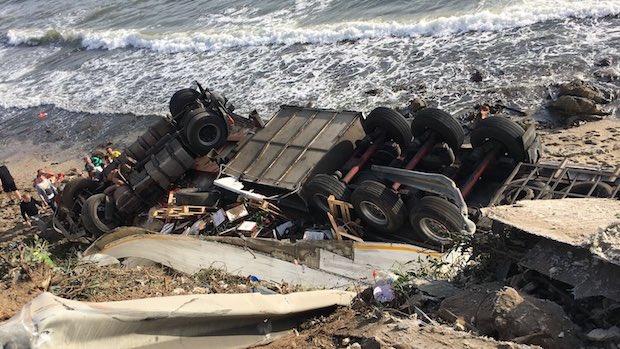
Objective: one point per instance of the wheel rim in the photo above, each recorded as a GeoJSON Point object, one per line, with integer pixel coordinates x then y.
{"type": "Point", "coordinates": [209, 134]}
{"type": "Point", "coordinates": [435, 229]}
{"type": "Point", "coordinates": [320, 201]}
{"type": "Point", "coordinates": [373, 213]}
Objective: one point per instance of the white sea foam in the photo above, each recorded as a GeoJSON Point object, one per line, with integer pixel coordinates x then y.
{"type": "Point", "coordinates": [523, 14]}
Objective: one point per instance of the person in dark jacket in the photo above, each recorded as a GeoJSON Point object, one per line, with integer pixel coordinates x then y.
{"type": "Point", "coordinates": [8, 184]}
{"type": "Point", "coordinates": [29, 208]}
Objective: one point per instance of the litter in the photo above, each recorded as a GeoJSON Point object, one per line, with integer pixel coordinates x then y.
{"type": "Point", "coordinates": [218, 217]}
{"type": "Point", "coordinates": [236, 213]}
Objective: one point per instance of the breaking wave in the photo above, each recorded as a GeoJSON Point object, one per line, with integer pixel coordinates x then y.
{"type": "Point", "coordinates": [513, 16]}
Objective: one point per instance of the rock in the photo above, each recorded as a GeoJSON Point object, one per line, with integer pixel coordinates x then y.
{"type": "Point", "coordinates": [355, 346]}
{"type": "Point", "coordinates": [604, 62]}
{"type": "Point", "coordinates": [178, 291]}
{"type": "Point", "coordinates": [580, 119]}
{"type": "Point", "coordinates": [608, 74]}
{"type": "Point", "coordinates": [602, 335]}
{"type": "Point", "coordinates": [571, 106]}
{"type": "Point", "coordinates": [346, 341]}
{"type": "Point", "coordinates": [200, 290]}
{"type": "Point", "coordinates": [579, 88]}
{"type": "Point", "coordinates": [416, 104]}
{"type": "Point", "coordinates": [373, 92]}
{"type": "Point", "coordinates": [507, 314]}
{"type": "Point", "coordinates": [476, 76]}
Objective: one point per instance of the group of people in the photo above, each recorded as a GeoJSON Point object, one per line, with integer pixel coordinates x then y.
{"type": "Point", "coordinates": [94, 164]}
{"type": "Point", "coordinates": [44, 185]}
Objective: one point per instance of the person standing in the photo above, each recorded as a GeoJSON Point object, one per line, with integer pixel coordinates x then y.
{"type": "Point", "coordinates": [8, 184]}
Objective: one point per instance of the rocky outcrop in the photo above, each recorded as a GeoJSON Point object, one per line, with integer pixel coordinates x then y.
{"type": "Point", "coordinates": [574, 105]}
{"type": "Point", "coordinates": [579, 88]}
{"type": "Point", "coordinates": [581, 101]}
{"type": "Point", "coordinates": [507, 314]}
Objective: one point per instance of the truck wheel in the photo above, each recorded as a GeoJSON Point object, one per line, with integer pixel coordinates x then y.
{"type": "Point", "coordinates": [602, 190]}
{"type": "Point", "coordinates": [192, 197]}
{"type": "Point", "coordinates": [93, 216]}
{"type": "Point", "coordinates": [169, 164]}
{"type": "Point", "coordinates": [76, 192]}
{"type": "Point", "coordinates": [320, 187]}
{"type": "Point", "coordinates": [442, 123]}
{"type": "Point", "coordinates": [385, 155]}
{"type": "Point", "coordinates": [504, 132]}
{"type": "Point", "coordinates": [161, 128]}
{"type": "Point", "coordinates": [205, 132]}
{"type": "Point", "coordinates": [390, 121]}
{"type": "Point", "coordinates": [182, 99]}
{"type": "Point", "coordinates": [108, 169]}
{"type": "Point", "coordinates": [365, 175]}
{"type": "Point", "coordinates": [510, 197]}
{"type": "Point", "coordinates": [436, 220]}
{"type": "Point", "coordinates": [138, 149]}
{"type": "Point", "coordinates": [126, 201]}
{"type": "Point", "coordinates": [378, 206]}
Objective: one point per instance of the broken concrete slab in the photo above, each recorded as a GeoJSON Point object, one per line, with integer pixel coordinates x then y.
{"type": "Point", "coordinates": [214, 320]}
{"type": "Point", "coordinates": [575, 266]}
{"type": "Point", "coordinates": [572, 221]}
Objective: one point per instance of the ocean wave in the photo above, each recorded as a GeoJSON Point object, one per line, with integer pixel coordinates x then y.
{"type": "Point", "coordinates": [513, 16]}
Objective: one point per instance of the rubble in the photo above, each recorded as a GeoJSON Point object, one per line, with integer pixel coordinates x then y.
{"type": "Point", "coordinates": [511, 315]}
{"type": "Point", "coordinates": [606, 243]}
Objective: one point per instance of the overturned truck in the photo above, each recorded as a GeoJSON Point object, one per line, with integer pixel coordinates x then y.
{"type": "Point", "coordinates": [408, 179]}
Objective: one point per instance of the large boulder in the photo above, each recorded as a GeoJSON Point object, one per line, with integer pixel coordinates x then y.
{"type": "Point", "coordinates": [608, 74]}
{"type": "Point", "coordinates": [572, 105]}
{"type": "Point", "coordinates": [507, 314]}
{"type": "Point", "coordinates": [579, 88]}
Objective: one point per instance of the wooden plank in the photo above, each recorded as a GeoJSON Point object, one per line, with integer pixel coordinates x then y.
{"type": "Point", "coordinates": [335, 227]}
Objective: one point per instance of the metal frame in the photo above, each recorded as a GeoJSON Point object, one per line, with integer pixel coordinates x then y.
{"type": "Point", "coordinates": [559, 179]}
{"type": "Point", "coordinates": [429, 182]}
{"type": "Point", "coordinates": [272, 165]}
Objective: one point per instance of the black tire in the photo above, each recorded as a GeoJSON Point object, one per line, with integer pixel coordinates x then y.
{"type": "Point", "coordinates": [108, 169]}
{"type": "Point", "coordinates": [161, 128]}
{"type": "Point", "coordinates": [127, 202]}
{"type": "Point", "coordinates": [92, 216]}
{"type": "Point", "coordinates": [513, 195]}
{"type": "Point", "coordinates": [145, 187]}
{"type": "Point", "coordinates": [72, 191]}
{"type": "Point", "coordinates": [320, 187]}
{"type": "Point", "coordinates": [433, 213]}
{"type": "Point", "coordinates": [205, 132]}
{"type": "Point", "coordinates": [365, 175]}
{"type": "Point", "coordinates": [138, 149]}
{"type": "Point", "coordinates": [378, 206]}
{"type": "Point", "coordinates": [390, 121]}
{"type": "Point", "coordinates": [504, 132]}
{"type": "Point", "coordinates": [602, 190]}
{"type": "Point", "coordinates": [169, 164]}
{"type": "Point", "coordinates": [182, 100]}
{"type": "Point", "coordinates": [192, 197]}
{"type": "Point", "coordinates": [385, 155]}
{"type": "Point", "coordinates": [442, 123]}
